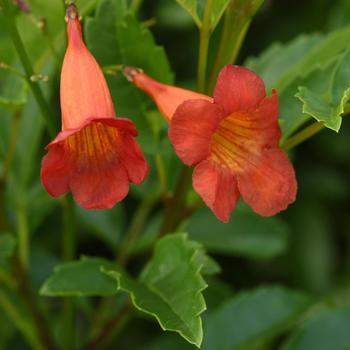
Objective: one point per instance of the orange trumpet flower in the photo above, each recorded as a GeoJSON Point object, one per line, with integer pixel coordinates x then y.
{"type": "Point", "coordinates": [232, 140]}
{"type": "Point", "coordinates": [95, 155]}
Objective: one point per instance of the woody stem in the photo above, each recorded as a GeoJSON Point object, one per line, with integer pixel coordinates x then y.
{"type": "Point", "coordinates": [27, 66]}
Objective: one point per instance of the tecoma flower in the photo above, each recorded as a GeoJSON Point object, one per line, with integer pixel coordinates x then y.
{"type": "Point", "coordinates": [95, 155]}
{"type": "Point", "coordinates": [232, 140]}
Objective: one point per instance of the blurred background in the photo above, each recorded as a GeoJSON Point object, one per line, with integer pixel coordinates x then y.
{"type": "Point", "coordinates": [306, 247]}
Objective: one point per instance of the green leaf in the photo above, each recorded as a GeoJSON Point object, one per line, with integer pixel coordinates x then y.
{"type": "Point", "coordinates": [302, 62]}
{"type": "Point", "coordinates": [191, 7]}
{"type": "Point", "coordinates": [170, 287]}
{"type": "Point", "coordinates": [328, 330]}
{"type": "Point", "coordinates": [7, 245]}
{"type": "Point", "coordinates": [195, 9]}
{"type": "Point", "coordinates": [247, 234]}
{"type": "Point", "coordinates": [80, 278]}
{"type": "Point", "coordinates": [253, 318]}
{"type": "Point", "coordinates": [328, 108]}
{"type": "Point", "coordinates": [279, 59]}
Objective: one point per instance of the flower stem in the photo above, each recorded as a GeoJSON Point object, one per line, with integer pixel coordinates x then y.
{"type": "Point", "coordinates": [204, 38]}
{"type": "Point", "coordinates": [163, 181]}
{"type": "Point", "coordinates": [27, 66]}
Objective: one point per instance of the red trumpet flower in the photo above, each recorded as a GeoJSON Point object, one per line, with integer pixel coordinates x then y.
{"type": "Point", "coordinates": [232, 140]}
{"type": "Point", "coordinates": [95, 155]}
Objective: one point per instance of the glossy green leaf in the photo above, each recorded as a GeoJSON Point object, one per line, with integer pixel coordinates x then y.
{"type": "Point", "coordinates": [7, 245]}
{"type": "Point", "coordinates": [252, 318]}
{"type": "Point", "coordinates": [170, 287]}
{"type": "Point", "coordinates": [302, 62]}
{"type": "Point", "coordinates": [328, 108]}
{"type": "Point", "coordinates": [328, 330]}
{"type": "Point", "coordinates": [80, 278]}
{"type": "Point", "coordinates": [247, 234]}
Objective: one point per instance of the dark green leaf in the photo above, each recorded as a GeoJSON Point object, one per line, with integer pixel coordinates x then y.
{"type": "Point", "coordinates": [301, 62]}
{"type": "Point", "coordinates": [328, 330]}
{"type": "Point", "coordinates": [253, 317]}
{"type": "Point", "coordinates": [247, 234]}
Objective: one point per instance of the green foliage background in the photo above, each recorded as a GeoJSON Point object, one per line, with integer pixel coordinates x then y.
{"type": "Point", "coordinates": [277, 283]}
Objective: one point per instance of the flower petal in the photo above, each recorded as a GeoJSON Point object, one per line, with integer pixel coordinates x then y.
{"type": "Point", "coordinates": [133, 160]}
{"type": "Point", "coordinates": [238, 89]}
{"type": "Point", "coordinates": [269, 185]}
{"type": "Point", "coordinates": [54, 169]}
{"type": "Point", "coordinates": [191, 129]}
{"type": "Point", "coordinates": [266, 121]}
{"type": "Point", "coordinates": [96, 188]}
{"type": "Point", "coordinates": [94, 162]}
{"type": "Point", "coordinates": [217, 187]}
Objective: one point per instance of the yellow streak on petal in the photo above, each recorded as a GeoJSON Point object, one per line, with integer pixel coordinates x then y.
{"type": "Point", "coordinates": [233, 145]}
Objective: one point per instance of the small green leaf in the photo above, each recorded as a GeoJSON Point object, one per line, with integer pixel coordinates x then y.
{"type": "Point", "coordinates": [170, 287]}
{"type": "Point", "coordinates": [247, 234]}
{"type": "Point", "coordinates": [80, 278]}
{"type": "Point", "coordinates": [191, 7]}
{"type": "Point", "coordinates": [7, 245]}
{"type": "Point", "coordinates": [253, 318]}
{"type": "Point", "coordinates": [329, 107]}
{"type": "Point", "coordinates": [328, 330]}
{"type": "Point", "coordinates": [195, 9]}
